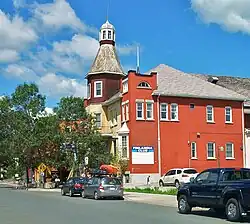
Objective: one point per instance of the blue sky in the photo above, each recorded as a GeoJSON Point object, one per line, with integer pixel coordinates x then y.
{"type": "Point", "coordinates": [53, 42]}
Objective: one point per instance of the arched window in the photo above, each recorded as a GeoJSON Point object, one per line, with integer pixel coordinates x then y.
{"type": "Point", "coordinates": [144, 85]}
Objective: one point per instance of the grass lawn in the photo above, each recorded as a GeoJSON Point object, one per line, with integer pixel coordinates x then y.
{"type": "Point", "coordinates": [152, 191]}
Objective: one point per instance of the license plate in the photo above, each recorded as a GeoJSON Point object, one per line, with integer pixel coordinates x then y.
{"type": "Point", "coordinates": [112, 188]}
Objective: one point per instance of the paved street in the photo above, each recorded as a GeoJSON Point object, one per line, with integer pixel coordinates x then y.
{"type": "Point", "coordinates": [24, 207]}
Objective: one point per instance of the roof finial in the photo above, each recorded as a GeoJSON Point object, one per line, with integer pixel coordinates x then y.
{"type": "Point", "coordinates": [108, 10]}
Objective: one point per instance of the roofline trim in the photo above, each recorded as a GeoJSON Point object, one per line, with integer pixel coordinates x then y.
{"type": "Point", "coordinates": [198, 97]}
{"type": "Point", "coordinates": [104, 72]}
{"type": "Point", "coordinates": [107, 102]}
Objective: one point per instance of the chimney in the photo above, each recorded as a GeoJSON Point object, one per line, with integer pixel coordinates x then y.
{"type": "Point", "coordinates": [213, 79]}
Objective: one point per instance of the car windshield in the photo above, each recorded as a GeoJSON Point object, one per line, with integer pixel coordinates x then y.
{"type": "Point", "coordinates": [190, 171]}
{"type": "Point", "coordinates": [81, 180]}
{"type": "Point", "coordinates": [111, 181]}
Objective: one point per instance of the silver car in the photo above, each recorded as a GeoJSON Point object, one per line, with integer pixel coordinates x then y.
{"type": "Point", "coordinates": [103, 187]}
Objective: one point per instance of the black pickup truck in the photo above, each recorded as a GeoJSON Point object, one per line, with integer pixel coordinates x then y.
{"type": "Point", "coordinates": [226, 190]}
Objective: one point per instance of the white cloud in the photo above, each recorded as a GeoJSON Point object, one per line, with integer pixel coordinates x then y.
{"type": "Point", "coordinates": [58, 86]}
{"type": "Point", "coordinates": [83, 46]}
{"type": "Point", "coordinates": [19, 3]}
{"type": "Point", "coordinates": [20, 72]}
{"type": "Point", "coordinates": [49, 110]}
{"type": "Point", "coordinates": [15, 33]}
{"type": "Point", "coordinates": [232, 15]}
{"type": "Point", "coordinates": [7, 56]}
{"type": "Point", "coordinates": [57, 15]}
{"type": "Point", "coordinates": [127, 49]}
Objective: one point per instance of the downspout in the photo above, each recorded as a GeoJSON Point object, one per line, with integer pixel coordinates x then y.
{"type": "Point", "coordinates": [243, 135]}
{"type": "Point", "coordinates": [159, 134]}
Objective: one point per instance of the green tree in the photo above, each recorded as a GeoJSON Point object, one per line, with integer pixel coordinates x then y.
{"type": "Point", "coordinates": [79, 131]}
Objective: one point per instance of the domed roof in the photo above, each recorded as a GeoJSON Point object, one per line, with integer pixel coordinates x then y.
{"type": "Point", "coordinates": [107, 25]}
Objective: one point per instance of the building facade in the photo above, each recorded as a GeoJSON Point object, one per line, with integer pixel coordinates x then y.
{"type": "Point", "coordinates": [163, 119]}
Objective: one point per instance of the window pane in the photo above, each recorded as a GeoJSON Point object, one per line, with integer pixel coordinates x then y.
{"type": "Point", "coordinates": [193, 150]}
{"type": "Point", "coordinates": [124, 146]}
{"type": "Point", "coordinates": [139, 107]}
{"type": "Point", "coordinates": [229, 150]}
{"type": "Point", "coordinates": [164, 111]}
{"type": "Point", "coordinates": [98, 120]}
{"type": "Point", "coordinates": [174, 112]}
{"type": "Point", "coordinates": [149, 110]}
{"type": "Point", "coordinates": [190, 171]}
{"type": "Point", "coordinates": [104, 35]}
{"type": "Point", "coordinates": [109, 35]}
{"type": "Point", "coordinates": [210, 150]}
{"type": "Point", "coordinates": [228, 112]}
{"type": "Point", "coordinates": [209, 113]}
{"type": "Point", "coordinates": [98, 88]}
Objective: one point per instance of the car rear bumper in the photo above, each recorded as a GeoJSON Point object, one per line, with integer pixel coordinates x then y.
{"type": "Point", "coordinates": [115, 193]}
{"type": "Point", "coordinates": [77, 191]}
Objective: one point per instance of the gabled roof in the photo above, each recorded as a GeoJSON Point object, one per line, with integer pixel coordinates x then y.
{"type": "Point", "coordinates": [236, 84]}
{"type": "Point", "coordinates": [106, 61]}
{"type": "Point", "coordinates": [113, 99]}
{"type": "Point", "coordinates": [172, 82]}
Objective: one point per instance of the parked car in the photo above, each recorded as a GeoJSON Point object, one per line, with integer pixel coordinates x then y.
{"type": "Point", "coordinates": [223, 189]}
{"type": "Point", "coordinates": [74, 186]}
{"type": "Point", "coordinates": [177, 176]}
{"type": "Point", "coordinates": [103, 187]}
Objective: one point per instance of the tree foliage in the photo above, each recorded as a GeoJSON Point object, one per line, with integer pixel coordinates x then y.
{"type": "Point", "coordinates": [28, 133]}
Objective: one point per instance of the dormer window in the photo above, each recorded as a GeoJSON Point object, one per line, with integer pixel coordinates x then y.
{"type": "Point", "coordinates": [144, 85]}
{"type": "Point", "coordinates": [109, 35]}
{"type": "Point", "coordinates": [104, 34]}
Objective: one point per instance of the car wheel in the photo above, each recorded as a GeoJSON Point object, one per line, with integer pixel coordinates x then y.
{"type": "Point", "coordinates": [161, 184]}
{"type": "Point", "coordinates": [177, 184]}
{"type": "Point", "coordinates": [183, 206]}
{"type": "Point", "coordinates": [71, 193]}
{"type": "Point", "coordinates": [233, 210]}
{"type": "Point", "coordinates": [62, 192]}
{"type": "Point", "coordinates": [96, 197]}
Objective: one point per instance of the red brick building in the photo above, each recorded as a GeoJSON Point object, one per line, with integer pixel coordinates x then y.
{"type": "Point", "coordinates": [167, 118]}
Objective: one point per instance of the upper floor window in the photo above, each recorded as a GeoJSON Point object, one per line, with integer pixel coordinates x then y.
{"type": "Point", "coordinates": [164, 111]}
{"type": "Point", "coordinates": [229, 151]}
{"type": "Point", "coordinates": [174, 112]}
{"type": "Point", "coordinates": [210, 113]}
{"type": "Point", "coordinates": [150, 110]}
{"type": "Point", "coordinates": [144, 85]}
{"type": "Point", "coordinates": [211, 150]}
{"type": "Point", "coordinates": [98, 121]}
{"type": "Point", "coordinates": [127, 112]}
{"type": "Point", "coordinates": [228, 115]}
{"type": "Point", "coordinates": [125, 86]}
{"type": "Point", "coordinates": [139, 111]}
{"type": "Point", "coordinates": [109, 35]}
{"type": "Point", "coordinates": [89, 91]}
{"type": "Point", "coordinates": [193, 150]}
{"type": "Point", "coordinates": [98, 89]}
{"type": "Point", "coordinates": [104, 34]}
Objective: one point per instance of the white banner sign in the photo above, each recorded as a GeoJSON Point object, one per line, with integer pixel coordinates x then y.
{"type": "Point", "coordinates": [142, 155]}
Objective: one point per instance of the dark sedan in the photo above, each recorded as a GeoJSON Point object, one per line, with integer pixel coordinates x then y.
{"type": "Point", "coordinates": [74, 186]}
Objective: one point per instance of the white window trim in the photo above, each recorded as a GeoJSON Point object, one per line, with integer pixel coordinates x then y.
{"type": "Point", "coordinates": [214, 147]}
{"type": "Point", "coordinates": [232, 150]}
{"type": "Point", "coordinates": [100, 119]}
{"type": "Point", "coordinates": [142, 102]}
{"type": "Point", "coordinates": [95, 83]}
{"type": "Point", "coordinates": [231, 115]}
{"type": "Point", "coordinates": [123, 85]}
{"type": "Point", "coordinates": [164, 119]}
{"type": "Point", "coordinates": [124, 80]}
{"type": "Point", "coordinates": [123, 113]}
{"type": "Point", "coordinates": [127, 111]}
{"type": "Point", "coordinates": [208, 121]}
{"type": "Point", "coordinates": [89, 87]}
{"type": "Point", "coordinates": [195, 157]}
{"type": "Point", "coordinates": [177, 112]}
{"type": "Point", "coordinates": [125, 102]}
{"type": "Point", "coordinates": [127, 146]}
{"type": "Point", "coordinates": [144, 87]}
{"type": "Point", "coordinates": [152, 103]}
